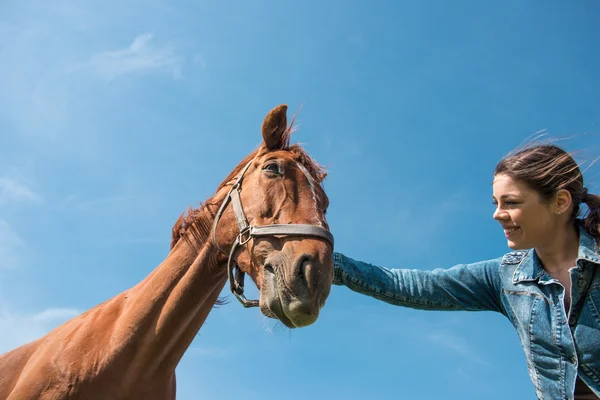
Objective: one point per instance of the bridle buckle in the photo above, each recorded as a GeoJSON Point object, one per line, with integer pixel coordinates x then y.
{"type": "Point", "coordinates": [246, 231]}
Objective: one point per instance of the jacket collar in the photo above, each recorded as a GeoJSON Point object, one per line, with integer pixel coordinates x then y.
{"type": "Point", "coordinates": [530, 268]}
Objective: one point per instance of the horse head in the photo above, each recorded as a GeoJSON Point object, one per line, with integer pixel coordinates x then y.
{"type": "Point", "coordinates": [271, 225]}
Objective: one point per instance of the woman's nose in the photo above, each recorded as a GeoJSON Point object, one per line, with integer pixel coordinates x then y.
{"type": "Point", "coordinates": [499, 214]}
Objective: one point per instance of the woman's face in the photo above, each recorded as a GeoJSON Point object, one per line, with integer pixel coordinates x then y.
{"type": "Point", "coordinates": [528, 222]}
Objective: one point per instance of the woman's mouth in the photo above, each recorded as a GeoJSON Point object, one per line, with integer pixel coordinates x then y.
{"type": "Point", "coordinates": [508, 232]}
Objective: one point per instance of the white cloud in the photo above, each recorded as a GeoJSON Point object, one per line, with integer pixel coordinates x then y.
{"type": "Point", "coordinates": [442, 334]}
{"type": "Point", "coordinates": [141, 55]}
{"type": "Point", "coordinates": [12, 190]}
{"type": "Point", "coordinates": [73, 201]}
{"type": "Point", "coordinates": [198, 59]}
{"type": "Point", "coordinates": [456, 344]}
{"type": "Point", "coordinates": [420, 218]}
{"type": "Point", "coordinates": [17, 329]}
{"type": "Point", "coordinates": [51, 315]}
{"type": "Point", "coordinates": [11, 246]}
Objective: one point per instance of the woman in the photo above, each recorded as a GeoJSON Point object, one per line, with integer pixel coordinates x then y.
{"type": "Point", "coordinates": [550, 293]}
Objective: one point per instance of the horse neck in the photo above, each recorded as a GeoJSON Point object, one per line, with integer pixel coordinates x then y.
{"type": "Point", "coordinates": [168, 308]}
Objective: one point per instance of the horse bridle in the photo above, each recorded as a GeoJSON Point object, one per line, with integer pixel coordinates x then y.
{"type": "Point", "coordinates": [247, 232]}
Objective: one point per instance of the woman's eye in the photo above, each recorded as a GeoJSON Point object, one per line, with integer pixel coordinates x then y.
{"type": "Point", "coordinates": [272, 168]}
{"type": "Point", "coordinates": [506, 203]}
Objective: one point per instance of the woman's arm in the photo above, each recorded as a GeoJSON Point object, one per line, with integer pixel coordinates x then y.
{"type": "Point", "coordinates": [473, 287]}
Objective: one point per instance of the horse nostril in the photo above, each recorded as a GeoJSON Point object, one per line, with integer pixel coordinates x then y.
{"type": "Point", "coordinates": [269, 268]}
{"type": "Point", "coordinates": [303, 269]}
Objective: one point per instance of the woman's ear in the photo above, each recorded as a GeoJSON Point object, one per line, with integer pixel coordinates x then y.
{"type": "Point", "coordinates": [562, 201]}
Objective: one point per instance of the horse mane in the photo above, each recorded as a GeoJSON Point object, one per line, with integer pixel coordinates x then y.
{"type": "Point", "coordinates": [199, 221]}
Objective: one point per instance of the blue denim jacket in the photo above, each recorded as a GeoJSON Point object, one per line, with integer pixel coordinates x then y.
{"type": "Point", "coordinates": [558, 347]}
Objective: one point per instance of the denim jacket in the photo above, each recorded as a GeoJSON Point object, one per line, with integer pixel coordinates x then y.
{"type": "Point", "coordinates": [558, 346]}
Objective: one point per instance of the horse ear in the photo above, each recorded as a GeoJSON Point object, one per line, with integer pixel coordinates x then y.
{"type": "Point", "coordinates": [274, 127]}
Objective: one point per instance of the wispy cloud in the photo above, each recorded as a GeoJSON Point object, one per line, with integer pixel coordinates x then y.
{"type": "Point", "coordinates": [422, 218]}
{"type": "Point", "coordinates": [11, 246]}
{"type": "Point", "coordinates": [456, 344]}
{"type": "Point", "coordinates": [12, 190]}
{"type": "Point", "coordinates": [442, 335]}
{"type": "Point", "coordinates": [198, 59]}
{"type": "Point", "coordinates": [17, 329]}
{"type": "Point", "coordinates": [141, 55]}
{"type": "Point", "coordinates": [73, 201]}
{"type": "Point", "coordinates": [51, 315]}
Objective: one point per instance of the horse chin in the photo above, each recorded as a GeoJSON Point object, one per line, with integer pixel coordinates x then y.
{"type": "Point", "coordinates": [276, 302]}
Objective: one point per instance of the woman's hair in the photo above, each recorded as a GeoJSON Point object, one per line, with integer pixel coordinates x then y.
{"type": "Point", "coordinates": [547, 168]}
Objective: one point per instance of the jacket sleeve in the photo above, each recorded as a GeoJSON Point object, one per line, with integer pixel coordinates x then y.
{"type": "Point", "coordinates": [472, 287]}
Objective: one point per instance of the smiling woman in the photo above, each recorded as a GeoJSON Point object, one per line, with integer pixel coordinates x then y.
{"type": "Point", "coordinates": [129, 346]}
{"type": "Point", "coordinates": [549, 287]}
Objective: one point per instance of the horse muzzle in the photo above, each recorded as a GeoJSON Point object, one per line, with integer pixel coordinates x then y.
{"type": "Point", "coordinates": [293, 290]}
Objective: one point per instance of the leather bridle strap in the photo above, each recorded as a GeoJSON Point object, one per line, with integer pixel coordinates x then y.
{"type": "Point", "coordinates": [228, 198]}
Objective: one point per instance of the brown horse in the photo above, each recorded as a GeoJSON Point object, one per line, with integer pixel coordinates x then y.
{"type": "Point", "coordinates": [128, 347]}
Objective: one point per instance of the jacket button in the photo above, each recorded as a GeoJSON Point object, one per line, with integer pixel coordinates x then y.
{"type": "Point", "coordinates": [574, 359]}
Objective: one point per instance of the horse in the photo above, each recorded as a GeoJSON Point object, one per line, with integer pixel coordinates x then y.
{"type": "Point", "coordinates": [266, 220]}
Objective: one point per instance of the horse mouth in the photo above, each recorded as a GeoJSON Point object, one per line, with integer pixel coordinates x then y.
{"type": "Point", "coordinates": [270, 302]}
{"type": "Point", "coordinates": [278, 302]}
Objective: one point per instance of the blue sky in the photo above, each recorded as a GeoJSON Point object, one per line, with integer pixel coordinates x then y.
{"type": "Point", "coordinates": [117, 116]}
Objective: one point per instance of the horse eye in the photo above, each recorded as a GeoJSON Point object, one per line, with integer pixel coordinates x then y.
{"type": "Point", "coordinates": [272, 168]}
